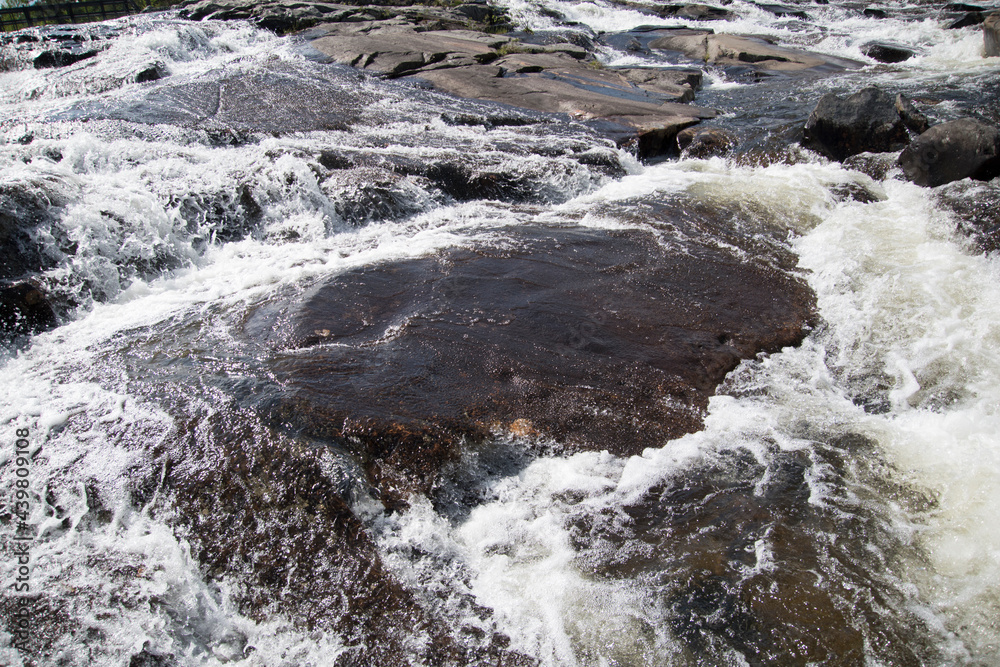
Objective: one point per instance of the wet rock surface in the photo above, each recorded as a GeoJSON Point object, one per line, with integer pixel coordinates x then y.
{"type": "Point", "coordinates": [596, 339]}
{"type": "Point", "coordinates": [24, 310]}
{"type": "Point", "coordinates": [866, 121]}
{"type": "Point", "coordinates": [887, 53]}
{"type": "Point", "coordinates": [718, 49]}
{"type": "Point", "coordinates": [991, 34]}
{"type": "Point", "coordinates": [458, 51]}
{"type": "Point", "coordinates": [723, 545]}
{"type": "Point", "coordinates": [554, 78]}
{"type": "Point", "coordinates": [277, 99]}
{"type": "Point", "coordinates": [703, 142]}
{"type": "Point", "coordinates": [964, 148]}
{"type": "Point", "coordinates": [976, 205]}
{"type": "Point", "coordinates": [239, 484]}
{"type": "Point", "coordinates": [376, 383]}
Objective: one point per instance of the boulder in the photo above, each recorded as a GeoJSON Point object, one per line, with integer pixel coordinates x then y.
{"type": "Point", "coordinates": [703, 142]}
{"type": "Point", "coordinates": [914, 120]}
{"type": "Point", "coordinates": [694, 12]}
{"type": "Point", "coordinates": [886, 53]}
{"type": "Point", "coordinates": [991, 34]}
{"type": "Point", "coordinates": [875, 13]}
{"type": "Point", "coordinates": [783, 11]}
{"type": "Point", "coordinates": [951, 151]}
{"type": "Point", "coordinates": [61, 57]}
{"type": "Point", "coordinates": [597, 339]}
{"type": "Point", "coordinates": [24, 310]}
{"type": "Point", "coordinates": [153, 72]}
{"type": "Point", "coordinates": [968, 20]}
{"type": "Point", "coordinates": [865, 121]}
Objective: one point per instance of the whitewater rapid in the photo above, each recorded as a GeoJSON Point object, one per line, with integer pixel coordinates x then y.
{"type": "Point", "coordinates": [905, 358]}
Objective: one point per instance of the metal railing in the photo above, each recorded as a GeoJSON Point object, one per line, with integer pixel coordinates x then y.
{"type": "Point", "coordinates": [85, 11]}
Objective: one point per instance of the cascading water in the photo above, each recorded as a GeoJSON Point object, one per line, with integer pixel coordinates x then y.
{"type": "Point", "coordinates": [848, 480]}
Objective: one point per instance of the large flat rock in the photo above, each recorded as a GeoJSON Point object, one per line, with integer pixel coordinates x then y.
{"type": "Point", "coordinates": [723, 49]}
{"type": "Point", "coordinates": [645, 106]}
{"type": "Point", "coordinates": [582, 94]}
{"type": "Point", "coordinates": [595, 339]}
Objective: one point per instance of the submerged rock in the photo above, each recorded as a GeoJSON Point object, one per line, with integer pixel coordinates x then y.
{"type": "Point", "coordinates": [744, 561]}
{"type": "Point", "coordinates": [951, 151]}
{"type": "Point", "coordinates": [976, 204]}
{"type": "Point", "coordinates": [866, 121]}
{"type": "Point", "coordinates": [271, 515]}
{"type": "Point", "coordinates": [595, 339]}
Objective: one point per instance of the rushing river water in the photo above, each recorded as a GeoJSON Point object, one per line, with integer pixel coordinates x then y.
{"type": "Point", "coordinates": [861, 468]}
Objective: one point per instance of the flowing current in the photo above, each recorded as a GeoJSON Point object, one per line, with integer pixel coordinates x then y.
{"type": "Point", "coordinates": [864, 463]}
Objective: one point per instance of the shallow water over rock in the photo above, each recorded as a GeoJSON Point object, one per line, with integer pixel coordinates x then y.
{"type": "Point", "coordinates": [605, 340]}
{"type": "Point", "coordinates": [343, 370]}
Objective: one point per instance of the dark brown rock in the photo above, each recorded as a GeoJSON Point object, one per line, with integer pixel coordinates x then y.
{"type": "Point", "coordinates": [886, 53]}
{"type": "Point", "coordinates": [694, 12]}
{"type": "Point", "coordinates": [24, 310]}
{"type": "Point", "coordinates": [702, 142]}
{"type": "Point", "coordinates": [783, 11]}
{"type": "Point", "coordinates": [866, 121]}
{"type": "Point", "coordinates": [963, 148]}
{"type": "Point", "coordinates": [597, 339]}
{"type": "Point", "coordinates": [738, 557]}
{"type": "Point", "coordinates": [61, 57]}
{"type": "Point", "coordinates": [270, 514]}
{"type": "Point", "coordinates": [154, 72]}
{"type": "Point", "coordinates": [967, 21]}
{"type": "Point", "coordinates": [913, 119]}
